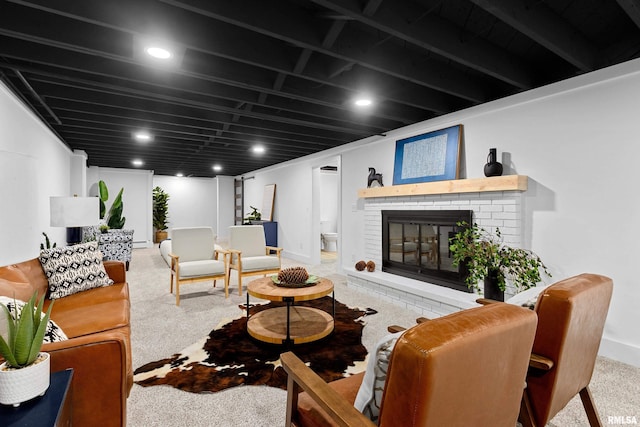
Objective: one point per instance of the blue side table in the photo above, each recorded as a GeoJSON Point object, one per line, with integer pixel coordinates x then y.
{"type": "Point", "coordinates": [53, 409]}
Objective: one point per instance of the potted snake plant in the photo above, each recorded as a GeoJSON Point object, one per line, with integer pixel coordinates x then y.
{"type": "Point", "coordinates": [25, 372]}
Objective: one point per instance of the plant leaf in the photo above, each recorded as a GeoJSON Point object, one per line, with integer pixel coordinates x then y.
{"type": "Point", "coordinates": [7, 353]}
{"type": "Point", "coordinates": [7, 349]}
{"type": "Point", "coordinates": [104, 193]}
{"type": "Point", "coordinates": [116, 221]}
{"type": "Point", "coordinates": [118, 200]}
{"type": "Point", "coordinates": [36, 343]}
{"type": "Point", "coordinates": [24, 333]}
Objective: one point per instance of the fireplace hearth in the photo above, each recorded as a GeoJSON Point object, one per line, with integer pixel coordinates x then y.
{"type": "Point", "coordinates": [415, 244]}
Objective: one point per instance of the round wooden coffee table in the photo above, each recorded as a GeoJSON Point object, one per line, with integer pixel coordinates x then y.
{"type": "Point", "coordinates": [292, 324]}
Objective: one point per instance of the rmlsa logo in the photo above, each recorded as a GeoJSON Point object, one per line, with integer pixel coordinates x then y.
{"type": "Point", "coordinates": [622, 420]}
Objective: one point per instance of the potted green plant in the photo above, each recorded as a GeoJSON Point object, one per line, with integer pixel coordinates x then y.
{"type": "Point", "coordinates": [487, 258]}
{"type": "Point", "coordinates": [254, 215]}
{"type": "Point", "coordinates": [114, 218]}
{"type": "Point", "coordinates": [25, 372]}
{"type": "Point", "coordinates": [160, 213]}
{"type": "Point", "coordinates": [47, 243]}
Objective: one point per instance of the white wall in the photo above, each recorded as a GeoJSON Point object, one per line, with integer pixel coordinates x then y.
{"type": "Point", "coordinates": [225, 216]}
{"type": "Point", "coordinates": [576, 140]}
{"type": "Point", "coordinates": [192, 201]}
{"type": "Point", "coordinates": [34, 165]}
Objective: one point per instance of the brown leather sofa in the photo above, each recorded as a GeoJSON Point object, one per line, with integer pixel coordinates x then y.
{"type": "Point", "coordinates": [96, 322]}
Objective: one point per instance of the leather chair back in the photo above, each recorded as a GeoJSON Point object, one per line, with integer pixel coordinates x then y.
{"type": "Point", "coordinates": [571, 317]}
{"type": "Point", "coordinates": [467, 368]}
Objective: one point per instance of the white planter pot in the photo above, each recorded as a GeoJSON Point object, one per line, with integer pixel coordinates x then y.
{"type": "Point", "coordinates": [20, 385]}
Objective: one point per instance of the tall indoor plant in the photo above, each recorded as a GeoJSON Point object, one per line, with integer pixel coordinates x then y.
{"type": "Point", "coordinates": [114, 218]}
{"type": "Point", "coordinates": [25, 372]}
{"type": "Point", "coordinates": [487, 258]}
{"type": "Point", "coordinates": [160, 213]}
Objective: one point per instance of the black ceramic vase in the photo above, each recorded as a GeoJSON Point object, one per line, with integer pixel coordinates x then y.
{"type": "Point", "coordinates": [491, 289]}
{"type": "Point", "coordinates": [493, 167]}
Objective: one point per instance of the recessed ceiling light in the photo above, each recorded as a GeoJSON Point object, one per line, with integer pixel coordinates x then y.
{"type": "Point", "coordinates": [363, 102]}
{"type": "Point", "coordinates": [258, 149]}
{"type": "Point", "coordinates": [158, 52]}
{"type": "Point", "coordinates": [142, 136]}
{"type": "Point", "coordinates": [217, 168]}
{"type": "Point", "coordinates": [137, 162]}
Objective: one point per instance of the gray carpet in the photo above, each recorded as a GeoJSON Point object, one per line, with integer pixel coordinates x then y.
{"type": "Point", "coordinates": [159, 329]}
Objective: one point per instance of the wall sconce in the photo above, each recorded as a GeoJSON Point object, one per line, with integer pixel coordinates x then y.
{"type": "Point", "coordinates": [74, 213]}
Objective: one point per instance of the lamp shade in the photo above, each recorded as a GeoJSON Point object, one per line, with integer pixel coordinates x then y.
{"type": "Point", "coordinates": [74, 211]}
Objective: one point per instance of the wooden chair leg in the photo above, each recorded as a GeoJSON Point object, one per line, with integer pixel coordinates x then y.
{"type": "Point", "coordinates": [239, 283]}
{"type": "Point", "coordinates": [590, 408]}
{"type": "Point", "coordinates": [177, 291]}
{"type": "Point", "coordinates": [171, 282]}
{"type": "Point", "coordinates": [526, 413]}
{"type": "Point", "coordinates": [293, 389]}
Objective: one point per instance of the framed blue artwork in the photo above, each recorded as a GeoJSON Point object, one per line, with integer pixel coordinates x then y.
{"type": "Point", "coordinates": [433, 156]}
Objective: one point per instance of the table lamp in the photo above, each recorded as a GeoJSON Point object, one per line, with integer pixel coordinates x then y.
{"type": "Point", "coordinates": [74, 213]}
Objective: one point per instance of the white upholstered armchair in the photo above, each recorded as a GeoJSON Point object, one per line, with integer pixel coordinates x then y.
{"type": "Point", "coordinates": [194, 257]}
{"type": "Point", "coordinates": [250, 254]}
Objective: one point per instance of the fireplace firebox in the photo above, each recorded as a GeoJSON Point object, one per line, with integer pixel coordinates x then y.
{"type": "Point", "coordinates": [415, 244]}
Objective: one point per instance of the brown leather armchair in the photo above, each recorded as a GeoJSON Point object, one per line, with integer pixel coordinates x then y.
{"type": "Point", "coordinates": [571, 316]}
{"type": "Point", "coordinates": [452, 371]}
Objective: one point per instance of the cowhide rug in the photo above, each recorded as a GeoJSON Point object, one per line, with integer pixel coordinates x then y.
{"type": "Point", "coordinates": [229, 357]}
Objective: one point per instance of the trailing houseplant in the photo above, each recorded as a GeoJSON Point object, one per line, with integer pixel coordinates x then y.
{"type": "Point", "coordinates": [160, 213]}
{"type": "Point", "coordinates": [486, 256]}
{"type": "Point", "coordinates": [114, 218]}
{"type": "Point", "coordinates": [25, 372]}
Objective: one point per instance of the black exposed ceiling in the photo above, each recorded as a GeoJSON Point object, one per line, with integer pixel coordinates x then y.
{"type": "Point", "coordinates": [284, 73]}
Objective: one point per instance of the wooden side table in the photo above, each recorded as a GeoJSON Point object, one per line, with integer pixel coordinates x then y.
{"type": "Point", "coordinates": [51, 410]}
{"type": "Point", "coordinates": [291, 324]}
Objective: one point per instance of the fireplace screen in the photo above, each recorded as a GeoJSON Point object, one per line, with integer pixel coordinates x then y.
{"type": "Point", "coordinates": [415, 244]}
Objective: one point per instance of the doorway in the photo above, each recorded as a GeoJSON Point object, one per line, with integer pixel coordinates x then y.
{"type": "Point", "coordinates": [326, 214]}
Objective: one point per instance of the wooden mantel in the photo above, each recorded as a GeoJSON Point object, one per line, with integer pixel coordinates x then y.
{"type": "Point", "coordinates": [474, 185]}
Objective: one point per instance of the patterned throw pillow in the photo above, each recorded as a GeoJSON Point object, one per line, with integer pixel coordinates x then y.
{"type": "Point", "coordinates": [72, 269]}
{"type": "Point", "coordinates": [369, 395]}
{"type": "Point", "coordinates": [53, 333]}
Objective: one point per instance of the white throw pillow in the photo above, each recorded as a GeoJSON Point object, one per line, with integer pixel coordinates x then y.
{"type": "Point", "coordinates": [369, 395]}
{"type": "Point", "coordinates": [53, 333]}
{"type": "Point", "coordinates": [527, 298]}
{"type": "Point", "coordinates": [72, 269]}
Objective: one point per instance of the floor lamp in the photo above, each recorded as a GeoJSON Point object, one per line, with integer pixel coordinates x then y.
{"type": "Point", "coordinates": [74, 213]}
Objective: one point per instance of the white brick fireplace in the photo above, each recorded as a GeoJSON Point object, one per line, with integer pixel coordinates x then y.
{"type": "Point", "coordinates": [501, 208]}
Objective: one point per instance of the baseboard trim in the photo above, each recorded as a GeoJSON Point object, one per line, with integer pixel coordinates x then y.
{"type": "Point", "coordinates": [296, 257]}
